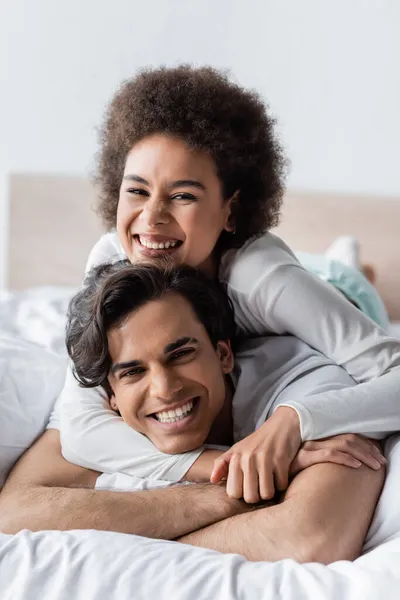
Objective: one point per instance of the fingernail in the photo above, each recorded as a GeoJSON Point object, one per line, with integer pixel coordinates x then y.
{"type": "Point", "coordinates": [357, 463]}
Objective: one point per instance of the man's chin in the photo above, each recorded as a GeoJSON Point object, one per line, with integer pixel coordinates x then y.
{"type": "Point", "coordinates": [177, 446]}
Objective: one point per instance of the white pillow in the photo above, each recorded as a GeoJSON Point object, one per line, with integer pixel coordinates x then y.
{"type": "Point", "coordinates": [31, 378]}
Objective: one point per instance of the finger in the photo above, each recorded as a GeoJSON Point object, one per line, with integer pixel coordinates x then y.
{"type": "Point", "coordinates": [281, 473]}
{"type": "Point", "coordinates": [305, 459]}
{"type": "Point", "coordinates": [337, 457]}
{"type": "Point", "coordinates": [377, 453]}
{"type": "Point", "coordinates": [362, 449]}
{"type": "Point", "coordinates": [234, 484]}
{"type": "Point", "coordinates": [250, 480]}
{"type": "Point", "coordinates": [352, 444]}
{"type": "Point", "coordinates": [369, 446]}
{"type": "Point", "coordinates": [265, 479]}
{"type": "Point", "coordinates": [362, 454]}
{"type": "Point", "coordinates": [220, 469]}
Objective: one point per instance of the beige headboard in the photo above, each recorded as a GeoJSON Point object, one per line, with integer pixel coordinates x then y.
{"type": "Point", "coordinates": [53, 227]}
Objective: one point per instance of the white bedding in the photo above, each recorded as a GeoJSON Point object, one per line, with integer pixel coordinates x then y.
{"type": "Point", "coordinates": [85, 565]}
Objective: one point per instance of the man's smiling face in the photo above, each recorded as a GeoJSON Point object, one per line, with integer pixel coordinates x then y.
{"type": "Point", "coordinates": [167, 378]}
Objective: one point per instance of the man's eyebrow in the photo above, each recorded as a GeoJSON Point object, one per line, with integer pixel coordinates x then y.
{"type": "Point", "coordinates": [133, 177]}
{"type": "Point", "coordinates": [179, 343]}
{"type": "Point", "coordinates": [124, 365]}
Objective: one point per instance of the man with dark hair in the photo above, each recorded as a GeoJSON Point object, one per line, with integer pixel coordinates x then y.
{"type": "Point", "coordinates": [157, 340]}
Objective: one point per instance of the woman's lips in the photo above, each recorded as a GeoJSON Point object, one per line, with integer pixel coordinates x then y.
{"type": "Point", "coordinates": [156, 245]}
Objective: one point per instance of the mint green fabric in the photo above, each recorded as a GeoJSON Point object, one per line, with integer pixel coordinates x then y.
{"type": "Point", "coordinates": [350, 282]}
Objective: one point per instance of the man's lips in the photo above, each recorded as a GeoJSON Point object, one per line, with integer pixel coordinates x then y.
{"type": "Point", "coordinates": [174, 406]}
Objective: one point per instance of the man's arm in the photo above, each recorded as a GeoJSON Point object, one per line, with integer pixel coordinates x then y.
{"type": "Point", "coordinates": [324, 517]}
{"type": "Point", "coordinates": [44, 491]}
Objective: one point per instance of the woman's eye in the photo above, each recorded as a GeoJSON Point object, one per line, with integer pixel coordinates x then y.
{"type": "Point", "coordinates": [137, 192]}
{"type": "Point", "coordinates": [184, 196]}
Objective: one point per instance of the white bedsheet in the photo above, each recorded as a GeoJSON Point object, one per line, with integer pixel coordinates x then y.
{"type": "Point", "coordinates": [91, 565]}
{"type": "Point", "coordinates": [86, 565]}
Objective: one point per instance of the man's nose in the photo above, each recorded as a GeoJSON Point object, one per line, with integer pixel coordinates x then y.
{"type": "Point", "coordinates": [155, 211]}
{"type": "Point", "coordinates": [165, 384]}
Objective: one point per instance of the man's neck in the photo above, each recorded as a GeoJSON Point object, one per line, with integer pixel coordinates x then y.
{"type": "Point", "coordinates": [221, 432]}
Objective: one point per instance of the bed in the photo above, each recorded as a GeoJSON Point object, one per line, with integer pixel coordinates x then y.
{"type": "Point", "coordinates": [52, 227]}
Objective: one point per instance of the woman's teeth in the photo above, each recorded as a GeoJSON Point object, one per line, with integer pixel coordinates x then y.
{"type": "Point", "coordinates": [159, 245]}
{"type": "Point", "coordinates": [171, 416]}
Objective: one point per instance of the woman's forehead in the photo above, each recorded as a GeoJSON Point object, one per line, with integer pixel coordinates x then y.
{"type": "Point", "coordinates": [169, 157]}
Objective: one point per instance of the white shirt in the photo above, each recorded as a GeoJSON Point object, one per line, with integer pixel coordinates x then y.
{"type": "Point", "coordinates": [271, 294]}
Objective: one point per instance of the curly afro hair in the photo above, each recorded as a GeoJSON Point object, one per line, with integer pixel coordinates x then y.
{"type": "Point", "coordinates": [210, 113]}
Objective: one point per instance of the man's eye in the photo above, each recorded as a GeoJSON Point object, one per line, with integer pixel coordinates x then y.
{"type": "Point", "coordinates": [182, 353]}
{"type": "Point", "coordinates": [184, 196]}
{"type": "Point", "coordinates": [132, 372]}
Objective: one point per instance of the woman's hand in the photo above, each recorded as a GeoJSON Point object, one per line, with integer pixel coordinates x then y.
{"type": "Point", "coordinates": [260, 463]}
{"type": "Point", "coordinates": [348, 449]}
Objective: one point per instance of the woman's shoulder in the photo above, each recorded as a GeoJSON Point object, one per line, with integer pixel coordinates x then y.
{"type": "Point", "coordinates": [259, 257]}
{"type": "Point", "coordinates": [106, 249]}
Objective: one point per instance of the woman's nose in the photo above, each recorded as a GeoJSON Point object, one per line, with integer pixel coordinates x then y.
{"type": "Point", "coordinates": [155, 212]}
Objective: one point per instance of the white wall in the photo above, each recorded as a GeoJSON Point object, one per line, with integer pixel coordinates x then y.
{"type": "Point", "coordinates": [330, 69]}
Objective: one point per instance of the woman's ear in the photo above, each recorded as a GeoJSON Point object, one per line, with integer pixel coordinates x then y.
{"type": "Point", "coordinates": [225, 355]}
{"type": "Point", "coordinates": [230, 224]}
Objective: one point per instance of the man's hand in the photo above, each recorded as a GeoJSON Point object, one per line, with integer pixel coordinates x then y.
{"type": "Point", "coordinates": [347, 449]}
{"type": "Point", "coordinates": [254, 466]}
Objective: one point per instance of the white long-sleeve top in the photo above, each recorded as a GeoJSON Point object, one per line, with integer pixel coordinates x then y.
{"type": "Point", "coordinates": [272, 294]}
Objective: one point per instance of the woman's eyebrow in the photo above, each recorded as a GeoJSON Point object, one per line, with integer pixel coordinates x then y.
{"type": "Point", "coordinates": [188, 183]}
{"type": "Point", "coordinates": [179, 343]}
{"type": "Point", "coordinates": [178, 183]}
{"type": "Point", "coordinates": [133, 177]}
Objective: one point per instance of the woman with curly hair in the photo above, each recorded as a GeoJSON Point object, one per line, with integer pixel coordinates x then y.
{"type": "Point", "coordinates": [190, 168]}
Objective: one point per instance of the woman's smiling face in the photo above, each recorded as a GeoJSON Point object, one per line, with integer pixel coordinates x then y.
{"type": "Point", "coordinates": [171, 202]}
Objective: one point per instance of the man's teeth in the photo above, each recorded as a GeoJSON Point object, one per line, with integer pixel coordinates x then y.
{"type": "Point", "coordinates": [158, 246]}
{"type": "Point", "coordinates": [171, 416]}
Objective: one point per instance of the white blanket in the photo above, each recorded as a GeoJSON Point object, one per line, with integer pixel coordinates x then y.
{"type": "Point", "coordinates": [90, 565]}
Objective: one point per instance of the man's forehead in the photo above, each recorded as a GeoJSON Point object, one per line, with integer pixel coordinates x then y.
{"type": "Point", "coordinates": [150, 331]}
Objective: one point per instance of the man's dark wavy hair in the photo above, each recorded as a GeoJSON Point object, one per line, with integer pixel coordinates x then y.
{"type": "Point", "coordinates": [111, 292]}
{"type": "Point", "coordinates": [210, 113]}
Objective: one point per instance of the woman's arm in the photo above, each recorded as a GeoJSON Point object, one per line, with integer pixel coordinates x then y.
{"type": "Point", "coordinates": [293, 301]}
